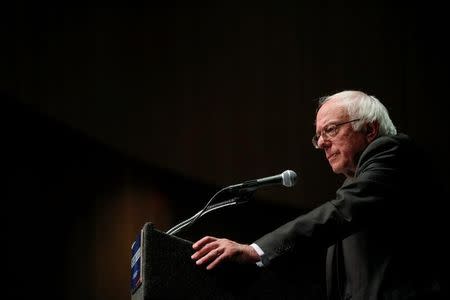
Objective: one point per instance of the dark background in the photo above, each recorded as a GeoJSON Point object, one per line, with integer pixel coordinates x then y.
{"type": "Point", "coordinates": [113, 116]}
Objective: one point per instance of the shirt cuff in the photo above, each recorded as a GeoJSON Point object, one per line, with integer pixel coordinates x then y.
{"type": "Point", "coordinates": [260, 253]}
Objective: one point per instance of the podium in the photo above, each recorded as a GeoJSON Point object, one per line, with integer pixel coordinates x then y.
{"type": "Point", "coordinates": [162, 269]}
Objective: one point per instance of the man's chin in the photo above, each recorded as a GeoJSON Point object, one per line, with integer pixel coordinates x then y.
{"type": "Point", "coordinates": [336, 169]}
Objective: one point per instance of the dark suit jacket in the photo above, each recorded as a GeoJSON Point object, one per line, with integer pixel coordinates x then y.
{"type": "Point", "coordinates": [382, 230]}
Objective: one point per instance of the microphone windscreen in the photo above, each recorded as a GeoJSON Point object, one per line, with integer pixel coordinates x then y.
{"type": "Point", "coordinates": [289, 178]}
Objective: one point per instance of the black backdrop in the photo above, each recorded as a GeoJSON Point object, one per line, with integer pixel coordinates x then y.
{"type": "Point", "coordinates": [119, 115]}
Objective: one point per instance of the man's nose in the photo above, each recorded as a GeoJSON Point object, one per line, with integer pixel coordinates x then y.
{"type": "Point", "coordinates": [322, 143]}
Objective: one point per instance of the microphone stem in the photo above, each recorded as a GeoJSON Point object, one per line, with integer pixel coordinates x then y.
{"type": "Point", "coordinates": [198, 215]}
{"type": "Point", "coordinates": [201, 213]}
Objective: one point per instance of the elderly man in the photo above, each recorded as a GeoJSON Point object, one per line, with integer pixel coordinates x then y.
{"type": "Point", "coordinates": [381, 238]}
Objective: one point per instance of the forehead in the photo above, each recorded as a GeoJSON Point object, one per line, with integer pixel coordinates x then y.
{"type": "Point", "coordinates": [331, 111]}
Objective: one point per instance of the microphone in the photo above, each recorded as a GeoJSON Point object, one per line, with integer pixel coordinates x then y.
{"type": "Point", "coordinates": [288, 178]}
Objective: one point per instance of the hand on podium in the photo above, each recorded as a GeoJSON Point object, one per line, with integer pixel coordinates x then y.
{"type": "Point", "coordinates": [212, 251]}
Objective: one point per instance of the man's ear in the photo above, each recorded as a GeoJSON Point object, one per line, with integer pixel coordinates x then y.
{"type": "Point", "coordinates": [372, 130]}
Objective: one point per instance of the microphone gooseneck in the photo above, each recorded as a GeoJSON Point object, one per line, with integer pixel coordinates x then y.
{"type": "Point", "coordinates": [288, 179]}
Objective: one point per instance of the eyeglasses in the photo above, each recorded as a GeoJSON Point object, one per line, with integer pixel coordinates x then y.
{"type": "Point", "coordinates": [328, 132]}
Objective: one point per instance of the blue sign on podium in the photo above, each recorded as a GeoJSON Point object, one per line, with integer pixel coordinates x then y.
{"type": "Point", "coordinates": [136, 262]}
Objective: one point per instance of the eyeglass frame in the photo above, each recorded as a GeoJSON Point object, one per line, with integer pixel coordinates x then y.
{"type": "Point", "coordinates": [327, 135]}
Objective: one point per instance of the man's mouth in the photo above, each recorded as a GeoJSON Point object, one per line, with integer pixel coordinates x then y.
{"type": "Point", "coordinates": [331, 156]}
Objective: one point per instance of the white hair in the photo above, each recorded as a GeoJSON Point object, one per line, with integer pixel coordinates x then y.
{"type": "Point", "coordinates": [364, 107]}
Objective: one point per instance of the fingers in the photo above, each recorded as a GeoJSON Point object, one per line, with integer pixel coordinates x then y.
{"type": "Point", "coordinates": [203, 241]}
{"type": "Point", "coordinates": [210, 251]}
{"type": "Point", "coordinates": [213, 258]}
{"type": "Point", "coordinates": [204, 246]}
